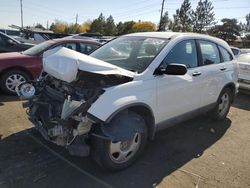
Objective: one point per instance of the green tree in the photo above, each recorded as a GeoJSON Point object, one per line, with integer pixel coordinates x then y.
{"type": "Point", "coordinates": [120, 28]}
{"type": "Point", "coordinates": [110, 27]}
{"type": "Point", "coordinates": [228, 31]}
{"type": "Point", "coordinates": [98, 25]}
{"type": "Point", "coordinates": [164, 22]}
{"type": "Point", "coordinates": [125, 28]}
{"type": "Point", "coordinates": [203, 16]}
{"type": "Point", "coordinates": [175, 24]}
{"type": "Point", "coordinates": [39, 26]}
{"type": "Point", "coordinates": [183, 17]}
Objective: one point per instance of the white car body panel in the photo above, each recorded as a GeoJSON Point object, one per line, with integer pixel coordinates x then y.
{"type": "Point", "coordinates": [244, 71]}
{"type": "Point", "coordinates": [170, 89]}
{"type": "Point", "coordinates": [114, 98]}
{"type": "Point", "coordinates": [172, 100]}
{"type": "Point", "coordinates": [64, 63]}
{"type": "Point", "coordinates": [167, 96]}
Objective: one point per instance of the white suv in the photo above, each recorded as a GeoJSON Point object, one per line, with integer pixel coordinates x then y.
{"type": "Point", "coordinates": [111, 102]}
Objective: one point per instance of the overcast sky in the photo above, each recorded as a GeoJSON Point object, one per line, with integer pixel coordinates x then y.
{"type": "Point", "coordinates": [35, 11]}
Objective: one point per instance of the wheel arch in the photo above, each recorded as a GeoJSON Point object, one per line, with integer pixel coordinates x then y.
{"type": "Point", "coordinates": [17, 68]}
{"type": "Point", "coordinates": [232, 88]}
{"type": "Point", "coordinates": [142, 109]}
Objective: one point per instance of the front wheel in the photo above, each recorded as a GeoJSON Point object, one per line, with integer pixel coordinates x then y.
{"type": "Point", "coordinates": [223, 105]}
{"type": "Point", "coordinates": [117, 155]}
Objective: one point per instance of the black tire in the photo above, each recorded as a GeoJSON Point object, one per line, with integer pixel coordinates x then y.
{"type": "Point", "coordinates": [100, 152]}
{"type": "Point", "coordinates": [217, 113]}
{"type": "Point", "coordinates": [6, 75]}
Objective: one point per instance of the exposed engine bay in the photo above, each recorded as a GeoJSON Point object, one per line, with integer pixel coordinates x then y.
{"type": "Point", "coordinates": [58, 109]}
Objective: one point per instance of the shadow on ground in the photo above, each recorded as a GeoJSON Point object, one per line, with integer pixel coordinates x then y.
{"type": "Point", "coordinates": [7, 98]}
{"type": "Point", "coordinates": [25, 163]}
{"type": "Point", "coordinates": [242, 101]}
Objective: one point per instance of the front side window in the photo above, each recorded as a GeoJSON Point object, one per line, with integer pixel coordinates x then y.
{"type": "Point", "coordinates": [209, 52]}
{"type": "Point", "coordinates": [225, 54]}
{"type": "Point", "coordinates": [131, 53]}
{"type": "Point", "coordinates": [183, 53]}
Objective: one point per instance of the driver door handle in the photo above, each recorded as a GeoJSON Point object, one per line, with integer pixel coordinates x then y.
{"type": "Point", "coordinates": [196, 73]}
{"type": "Point", "coordinates": [223, 68]}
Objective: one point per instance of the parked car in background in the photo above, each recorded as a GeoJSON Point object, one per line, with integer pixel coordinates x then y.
{"type": "Point", "coordinates": [244, 71]}
{"type": "Point", "coordinates": [245, 50]}
{"type": "Point", "coordinates": [9, 44]}
{"type": "Point", "coordinates": [94, 36]}
{"type": "Point", "coordinates": [19, 67]}
{"type": "Point", "coordinates": [112, 102]}
{"type": "Point", "coordinates": [236, 51]}
{"type": "Point", "coordinates": [14, 33]}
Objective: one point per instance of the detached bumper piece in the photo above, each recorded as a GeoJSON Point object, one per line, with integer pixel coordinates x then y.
{"type": "Point", "coordinates": [77, 147]}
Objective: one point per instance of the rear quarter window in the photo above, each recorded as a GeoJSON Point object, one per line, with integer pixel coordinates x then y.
{"type": "Point", "coordinates": [226, 56]}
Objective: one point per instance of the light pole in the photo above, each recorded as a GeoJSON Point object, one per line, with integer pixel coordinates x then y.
{"type": "Point", "coordinates": [21, 3]}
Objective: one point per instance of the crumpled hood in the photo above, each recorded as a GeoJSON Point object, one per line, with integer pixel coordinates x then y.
{"type": "Point", "coordinates": [63, 64]}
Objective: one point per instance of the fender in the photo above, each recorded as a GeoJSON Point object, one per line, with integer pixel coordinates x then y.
{"type": "Point", "coordinates": [140, 108]}
{"type": "Point", "coordinates": [121, 96]}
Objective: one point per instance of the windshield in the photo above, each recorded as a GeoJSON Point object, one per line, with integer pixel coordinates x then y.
{"type": "Point", "coordinates": [131, 53]}
{"type": "Point", "coordinates": [37, 49]}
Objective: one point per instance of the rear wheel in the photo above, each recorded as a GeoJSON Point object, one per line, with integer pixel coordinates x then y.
{"type": "Point", "coordinates": [11, 79]}
{"type": "Point", "coordinates": [117, 155]}
{"type": "Point", "coordinates": [223, 105]}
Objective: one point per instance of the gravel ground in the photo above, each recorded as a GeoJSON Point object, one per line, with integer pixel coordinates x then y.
{"type": "Point", "coordinates": [197, 153]}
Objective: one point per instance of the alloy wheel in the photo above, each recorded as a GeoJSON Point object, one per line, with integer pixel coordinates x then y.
{"type": "Point", "coordinates": [122, 151]}
{"type": "Point", "coordinates": [13, 80]}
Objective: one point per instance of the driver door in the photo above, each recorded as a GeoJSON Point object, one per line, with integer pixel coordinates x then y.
{"type": "Point", "coordinates": [179, 94]}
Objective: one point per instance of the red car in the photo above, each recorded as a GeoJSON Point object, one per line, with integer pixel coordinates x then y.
{"type": "Point", "coordinates": [18, 67]}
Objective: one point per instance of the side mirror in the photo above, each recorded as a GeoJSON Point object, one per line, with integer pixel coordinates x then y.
{"type": "Point", "coordinates": [173, 69]}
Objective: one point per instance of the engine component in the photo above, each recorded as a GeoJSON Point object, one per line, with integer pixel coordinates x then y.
{"type": "Point", "coordinates": [58, 135]}
{"type": "Point", "coordinates": [25, 90]}
{"type": "Point", "coordinates": [69, 106]}
{"type": "Point", "coordinates": [83, 127]}
{"type": "Point", "coordinates": [56, 131]}
{"type": "Point", "coordinates": [58, 109]}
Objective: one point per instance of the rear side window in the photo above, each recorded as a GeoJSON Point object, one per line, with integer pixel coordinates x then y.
{"type": "Point", "coordinates": [236, 52]}
{"type": "Point", "coordinates": [226, 56]}
{"type": "Point", "coordinates": [183, 53]}
{"type": "Point", "coordinates": [70, 45]}
{"type": "Point", "coordinates": [209, 52]}
{"type": "Point", "coordinates": [87, 48]}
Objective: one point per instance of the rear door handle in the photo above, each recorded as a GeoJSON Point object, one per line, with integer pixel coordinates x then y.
{"type": "Point", "coordinates": [196, 73]}
{"type": "Point", "coordinates": [223, 68]}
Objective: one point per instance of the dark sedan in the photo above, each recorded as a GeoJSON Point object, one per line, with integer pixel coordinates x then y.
{"type": "Point", "coordinates": [18, 67]}
{"type": "Point", "coordinates": [9, 44]}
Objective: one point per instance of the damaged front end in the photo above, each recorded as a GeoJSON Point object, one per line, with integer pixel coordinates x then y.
{"type": "Point", "coordinates": [59, 109]}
